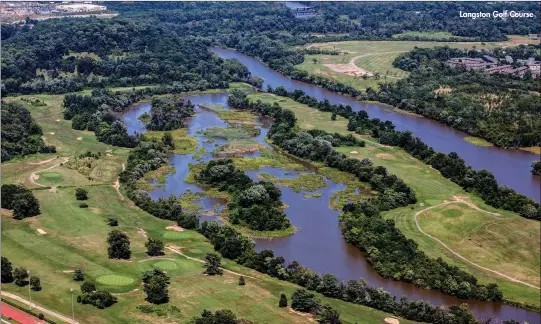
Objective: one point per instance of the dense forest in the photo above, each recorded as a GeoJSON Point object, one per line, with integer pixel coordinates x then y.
{"type": "Point", "coordinates": [255, 205]}
{"type": "Point", "coordinates": [169, 113]}
{"type": "Point", "coordinates": [21, 135]}
{"type": "Point", "coordinates": [503, 109]}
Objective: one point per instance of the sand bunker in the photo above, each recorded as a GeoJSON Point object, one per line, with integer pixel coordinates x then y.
{"type": "Point", "coordinates": [51, 133]}
{"type": "Point", "coordinates": [349, 69]}
{"type": "Point", "coordinates": [174, 228]}
{"type": "Point", "coordinates": [41, 232]}
{"type": "Point", "coordinates": [79, 138]}
{"type": "Point", "coordinates": [354, 152]}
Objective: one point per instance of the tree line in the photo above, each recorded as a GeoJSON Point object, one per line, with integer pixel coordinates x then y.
{"type": "Point", "coordinates": [388, 250]}
{"type": "Point", "coordinates": [451, 166]}
{"type": "Point", "coordinates": [21, 135]}
{"type": "Point", "coordinates": [235, 246]}
{"type": "Point", "coordinates": [500, 108]}
{"type": "Point", "coordinates": [255, 205]}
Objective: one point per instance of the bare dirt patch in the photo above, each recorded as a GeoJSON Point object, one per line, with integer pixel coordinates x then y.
{"type": "Point", "coordinates": [348, 69]}
{"type": "Point", "coordinates": [443, 90]}
{"type": "Point", "coordinates": [175, 228]}
{"type": "Point", "coordinates": [309, 316]}
{"type": "Point", "coordinates": [41, 162]}
{"type": "Point", "coordinates": [385, 156]}
{"type": "Point", "coordinates": [53, 189]}
{"type": "Point", "coordinates": [96, 210]}
{"type": "Point", "coordinates": [7, 213]}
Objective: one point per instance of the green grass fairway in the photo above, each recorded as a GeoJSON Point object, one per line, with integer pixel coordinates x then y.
{"type": "Point", "coordinates": [174, 235]}
{"type": "Point", "coordinates": [115, 280]}
{"type": "Point", "coordinates": [76, 238]}
{"type": "Point", "coordinates": [166, 265]}
{"type": "Point", "coordinates": [505, 244]}
{"type": "Point", "coordinates": [431, 189]}
{"type": "Point", "coordinates": [378, 56]}
{"type": "Point", "coordinates": [50, 178]}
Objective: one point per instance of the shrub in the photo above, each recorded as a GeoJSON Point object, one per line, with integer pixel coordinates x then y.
{"type": "Point", "coordinates": [83, 205]}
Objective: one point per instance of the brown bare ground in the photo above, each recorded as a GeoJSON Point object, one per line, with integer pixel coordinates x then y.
{"type": "Point", "coordinates": [175, 228]}
{"type": "Point", "coordinates": [385, 156]}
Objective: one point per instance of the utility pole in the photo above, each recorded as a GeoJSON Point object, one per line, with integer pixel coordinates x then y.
{"type": "Point", "coordinates": [72, 309]}
{"type": "Point", "coordinates": [29, 290]}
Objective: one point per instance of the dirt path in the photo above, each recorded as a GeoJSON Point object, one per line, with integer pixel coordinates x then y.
{"type": "Point", "coordinates": [41, 309]}
{"type": "Point", "coordinates": [33, 175]}
{"type": "Point", "coordinates": [117, 184]}
{"type": "Point", "coordinates": [460, 201]}
{"type": "Point", "coordinates": [203, 261]}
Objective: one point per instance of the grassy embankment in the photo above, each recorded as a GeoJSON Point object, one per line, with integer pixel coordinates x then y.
{"type": "Point", "coordinates": [376, 56]}
{"type": "Point", "coordinates": [498, 241]}
{"type": "Point", "coordinates": [76, 238]}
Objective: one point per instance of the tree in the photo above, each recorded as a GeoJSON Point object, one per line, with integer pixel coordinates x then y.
{"type": "Point", "coordinates": [81, 194]}
{"type": "Point", "coordinates": [35, 283]}
{"type": "Point", "coordinates": [167, 139]}
{"type": "Point", "coordinates": [7, 270]}
{"type": "Point", "coordinates": [20, 275]}
{"type": "Point", "coordinates": [78, 275]}
{"type": "Point", "coordinates": [328, 315]}
{"type": "Point", "coordinates": [224, 316]}
{"type": "Point", "coordinates": [304, 301]}
{"type": "Point", "coordinates": [212, 264]}
{"type": "Point", "coordinates": [242, 282]}
{"type": "Point", "coordinates": [112, 222]}
{"type": "Point", "coordinates": [156, 284]}
{"type": "Point", "coordinates": [88, 287]}
{"type": "Point", "coordinates": [20, 199]}
{"type": "Point", "coordinates": [333, 116]}
{"type": "Point", "coordinates": [154, 246]}
{"type": "Point", "coordinates": [119, 245]}
{"type": "Point", "coordinates": [283, 301]}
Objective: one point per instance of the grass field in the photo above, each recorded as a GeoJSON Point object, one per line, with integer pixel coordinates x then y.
{"type": "Point", "coordinates": [433, 35]}
{"type": "Point", "coordinates": [431, 189]}
{"type": "Point", "coordinates": [377, 56]}
{"type": "Point", "coordinates": [477, 141]}
{"type": "Point", "coordinates": [76, 238]}
{"type": "Point", "coordinates": [497, 239]}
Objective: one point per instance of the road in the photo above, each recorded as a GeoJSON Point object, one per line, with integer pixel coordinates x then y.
{"type": "Point", "coordinates": [459, 201]}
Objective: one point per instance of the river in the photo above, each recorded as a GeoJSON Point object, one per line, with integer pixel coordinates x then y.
{"type": "Point", "coordinates": [511, 167]}
{"type": "Point", "coordinates": [318, 243]}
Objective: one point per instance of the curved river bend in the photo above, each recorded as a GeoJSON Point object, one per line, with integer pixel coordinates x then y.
{"type": "Point", "coordinates": [510, 166]}
{"type": "Point", "coordinates": [319, 243]}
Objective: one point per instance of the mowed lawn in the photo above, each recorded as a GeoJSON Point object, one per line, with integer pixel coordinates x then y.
{"type": "Point", "coordinates": [378, 56]}
{"type": "Point", "coordinates": [76, 238]}
{"type": "Point", "coordinates": [431, 189]}
{"type": "Point", "coordinates": [488, 239]}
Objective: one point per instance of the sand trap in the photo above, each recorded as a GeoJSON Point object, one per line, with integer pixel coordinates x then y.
{"type": "Point", "coordinates": [109, 154]}
{"type": "Point", "coordinates": [421, 204]}
{"type": "Point", "coordinates": [41, 232]}
{"type": "Point", "coordinates": [79, 138]}
{"type": "Point", "coordinates": [68, 271]}
{"type": "Point", "coordinates": [58, 120]}
{"type": "Point", "coordinates": [35, 176]}
{"type": "Point", "coordinates": [174, 228]}
{"type": "Point", "coordinates": [390, 320]}
{"type": "Point", "coordinates": [51, 133]}
{"type": "Point", "coordinates": [385, 156]}
{"type": "Point", "coordinates": [354, 152]}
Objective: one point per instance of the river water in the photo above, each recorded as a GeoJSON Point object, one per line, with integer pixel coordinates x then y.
{"type": "Point", "coordinates": [318, 243]}
{"type": "Point", "coordinates": [510, 166]}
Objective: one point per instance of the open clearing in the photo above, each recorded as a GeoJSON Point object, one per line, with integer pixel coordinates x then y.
{"type": "Point", "coordinates": [431, 189]}
{"type": "Point", "coordinates": [376, 57]}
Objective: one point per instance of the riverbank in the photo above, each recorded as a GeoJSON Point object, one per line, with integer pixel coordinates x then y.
{"type": "Point", "coordinates": [432, 188]}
